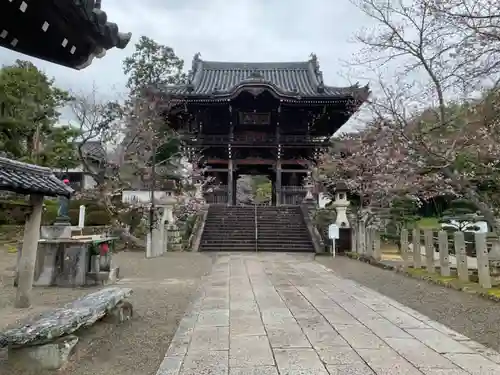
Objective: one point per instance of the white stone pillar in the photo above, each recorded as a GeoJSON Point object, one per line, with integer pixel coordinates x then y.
{"type": "Point", "coordinates": [81, 217]}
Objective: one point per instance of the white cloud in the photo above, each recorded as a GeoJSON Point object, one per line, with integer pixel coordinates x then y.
{"type": "Point", "coordinates": [242, 30]}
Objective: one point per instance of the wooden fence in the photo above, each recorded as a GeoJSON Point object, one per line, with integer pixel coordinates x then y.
{"type": "Point", "coordinates": [448, 254]}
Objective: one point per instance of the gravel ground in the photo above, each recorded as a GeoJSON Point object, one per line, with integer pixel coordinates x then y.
{"type": "Point", "coordinates": [163, 288]}
{"type": "Point", "coordinates": [470, 315]}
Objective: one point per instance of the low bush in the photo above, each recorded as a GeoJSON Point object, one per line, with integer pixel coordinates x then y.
{"type": "Point", "coordinates": [13, 212]}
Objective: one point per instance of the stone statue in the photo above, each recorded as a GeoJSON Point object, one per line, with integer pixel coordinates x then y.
{"type": "Point", "coordinates": [63, 209]}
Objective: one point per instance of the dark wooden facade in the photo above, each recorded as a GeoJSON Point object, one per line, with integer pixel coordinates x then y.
{"type": "Point", "coordinates": [261, 118]}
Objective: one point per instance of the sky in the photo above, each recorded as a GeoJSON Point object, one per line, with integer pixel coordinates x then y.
{"type": "Point", "coordinates": [222, 30]}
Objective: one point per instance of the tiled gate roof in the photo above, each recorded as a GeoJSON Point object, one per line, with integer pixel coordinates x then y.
{"type": "Point", "coordinates": [288, 79]}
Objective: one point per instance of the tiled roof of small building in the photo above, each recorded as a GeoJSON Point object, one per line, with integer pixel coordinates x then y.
{"type": "Point", "coordinates": [288, 79]}
{"type": "Point", "coordinates": [26, 178]}
{"type": "Point", "coordinates": [94, 149]}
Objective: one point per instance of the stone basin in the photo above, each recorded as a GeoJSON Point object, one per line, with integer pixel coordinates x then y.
{"type": "Point", "coordinates": [67, 262]}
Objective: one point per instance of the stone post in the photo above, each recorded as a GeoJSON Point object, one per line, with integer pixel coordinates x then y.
{"type": "Point", "coordinates": [461, 256]}
{"type": "Point", "coordinates": [362, 237]}
{"type": "Point", "coordinates": [199, 191]}
{"type": "Point", "coordinates": [404, 247]}
{"type": "Point", "coordinates": [444, 259]}
{"type": "Point", "coordinates": [483, 266]}
{"type": "Point", "coordinates": [27, 260]}
{"type": "Point", "coordinates": [368, 242]}
{"type": "Point", "coordinates": [417, 258]}
{"type": "Point", "coordinates": [377, 254]}
{"type": "Point", "coordinates": [354, 240]}
{"type": "Point", "coordinates": [429, 250]}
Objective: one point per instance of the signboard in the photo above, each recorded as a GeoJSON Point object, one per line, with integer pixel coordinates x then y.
{"type": "Point", "coordinates": [333, 232]}
{"type": "Point", "coordinates": [253, 118]}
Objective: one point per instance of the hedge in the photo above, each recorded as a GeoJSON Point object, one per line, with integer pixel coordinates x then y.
{"type": "Point", "coordinates": [12, 212]}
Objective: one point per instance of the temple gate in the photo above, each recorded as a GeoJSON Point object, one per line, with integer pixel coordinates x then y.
{"type": "Point", "coordinates": [270, 119]}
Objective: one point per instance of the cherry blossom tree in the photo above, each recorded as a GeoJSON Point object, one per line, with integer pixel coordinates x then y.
{"type": "Point", "coordinates": [130, 135]}
{"type": "Point", "coordinates": [377, 168]}
{"type": "Point", "coordinates": [142, 149]}
{"type": "Point", "coordinates": [439, 102]}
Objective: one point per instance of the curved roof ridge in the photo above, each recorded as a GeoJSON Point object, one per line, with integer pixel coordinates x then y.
{"type": "Point", "coordinates": [297, 79]}
{"type": "Point", "coordinates": [273, 65]}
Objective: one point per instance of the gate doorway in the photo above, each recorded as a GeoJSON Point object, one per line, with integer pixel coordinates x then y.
{"type": "Point", "coordinates": [253, 190]}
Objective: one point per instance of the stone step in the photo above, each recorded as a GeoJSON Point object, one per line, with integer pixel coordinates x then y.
{"type": "Point", "coordinates": [233, 229]}
{"type": "Point", "coordinates": [222, 248]}
{"type": "Point", "coordinates": [228, 247]}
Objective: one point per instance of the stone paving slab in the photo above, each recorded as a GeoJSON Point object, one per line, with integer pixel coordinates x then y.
{"type": "Point", "coordinates": [285, 314]}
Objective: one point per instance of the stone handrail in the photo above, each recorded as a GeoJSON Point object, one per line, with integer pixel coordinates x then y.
{"type": "Point", "coordinates": [319, 246]}
{"type": "Point", "coordinates": [199, 225]}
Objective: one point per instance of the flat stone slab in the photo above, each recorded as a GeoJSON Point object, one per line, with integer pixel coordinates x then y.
{"type": "Point", "coordinates": [51, 325]}
{"type": "Point", "coordinates": [287, 314]}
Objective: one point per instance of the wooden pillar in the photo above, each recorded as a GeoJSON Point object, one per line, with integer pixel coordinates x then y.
{"type": "Point", "coordinates": [231, 188]}
{"type": "Point", "coordinates": [26, 270]}
{"type": "Point", "coordinates": [230, 183]}
{"type": "Point", "coordinates": [235, 181]}
{"type": "Point", "coordinates": [278, 183]}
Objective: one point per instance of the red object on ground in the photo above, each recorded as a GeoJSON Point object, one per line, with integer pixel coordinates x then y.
{"type": "Point", "coordinates": [66, 181]}
{"type": "Point", "coordinates": [104, 248]}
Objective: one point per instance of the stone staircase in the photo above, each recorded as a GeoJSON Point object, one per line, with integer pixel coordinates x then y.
{"type": "Point", "coordinates": [232, 228]}
{"type": "Point", "coordinates": [282, 229]}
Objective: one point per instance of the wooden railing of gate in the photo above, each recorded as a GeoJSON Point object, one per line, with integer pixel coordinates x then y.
{"type": "Point", "coordinates": [292, 195]}
{"type": "Point", "coordinates": [218, 195]}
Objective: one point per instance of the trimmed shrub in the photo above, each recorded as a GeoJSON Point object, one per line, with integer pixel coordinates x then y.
{"type": "Point", "coordinates": [13, 212]}
{"type": "Point", "coordinates": [96, 218]}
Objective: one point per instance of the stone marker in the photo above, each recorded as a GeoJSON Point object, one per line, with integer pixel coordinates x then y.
{"type": "Point", "coordinates": [83, 312]}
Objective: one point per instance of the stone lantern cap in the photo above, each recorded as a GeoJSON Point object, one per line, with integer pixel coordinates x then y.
{"type": "Point", "coordinates": [341, 187]}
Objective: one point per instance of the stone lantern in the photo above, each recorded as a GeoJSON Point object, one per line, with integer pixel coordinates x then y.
{"type": "Point", "coordinates": [341, 203]}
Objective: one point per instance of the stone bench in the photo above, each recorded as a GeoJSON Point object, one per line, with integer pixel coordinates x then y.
{"type": "Point", "coordinates": [47, 341]}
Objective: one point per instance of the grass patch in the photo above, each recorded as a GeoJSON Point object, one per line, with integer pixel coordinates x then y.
{"type": "Point", "coordinates": [417, 271]}
{"type": "Point", "coordinates": [494, 292]}
{"type": "Point", "coordinates": [429, 223]}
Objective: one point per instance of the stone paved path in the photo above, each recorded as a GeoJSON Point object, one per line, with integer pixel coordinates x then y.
{"type": "Point", "coordinates": [270, 314]}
